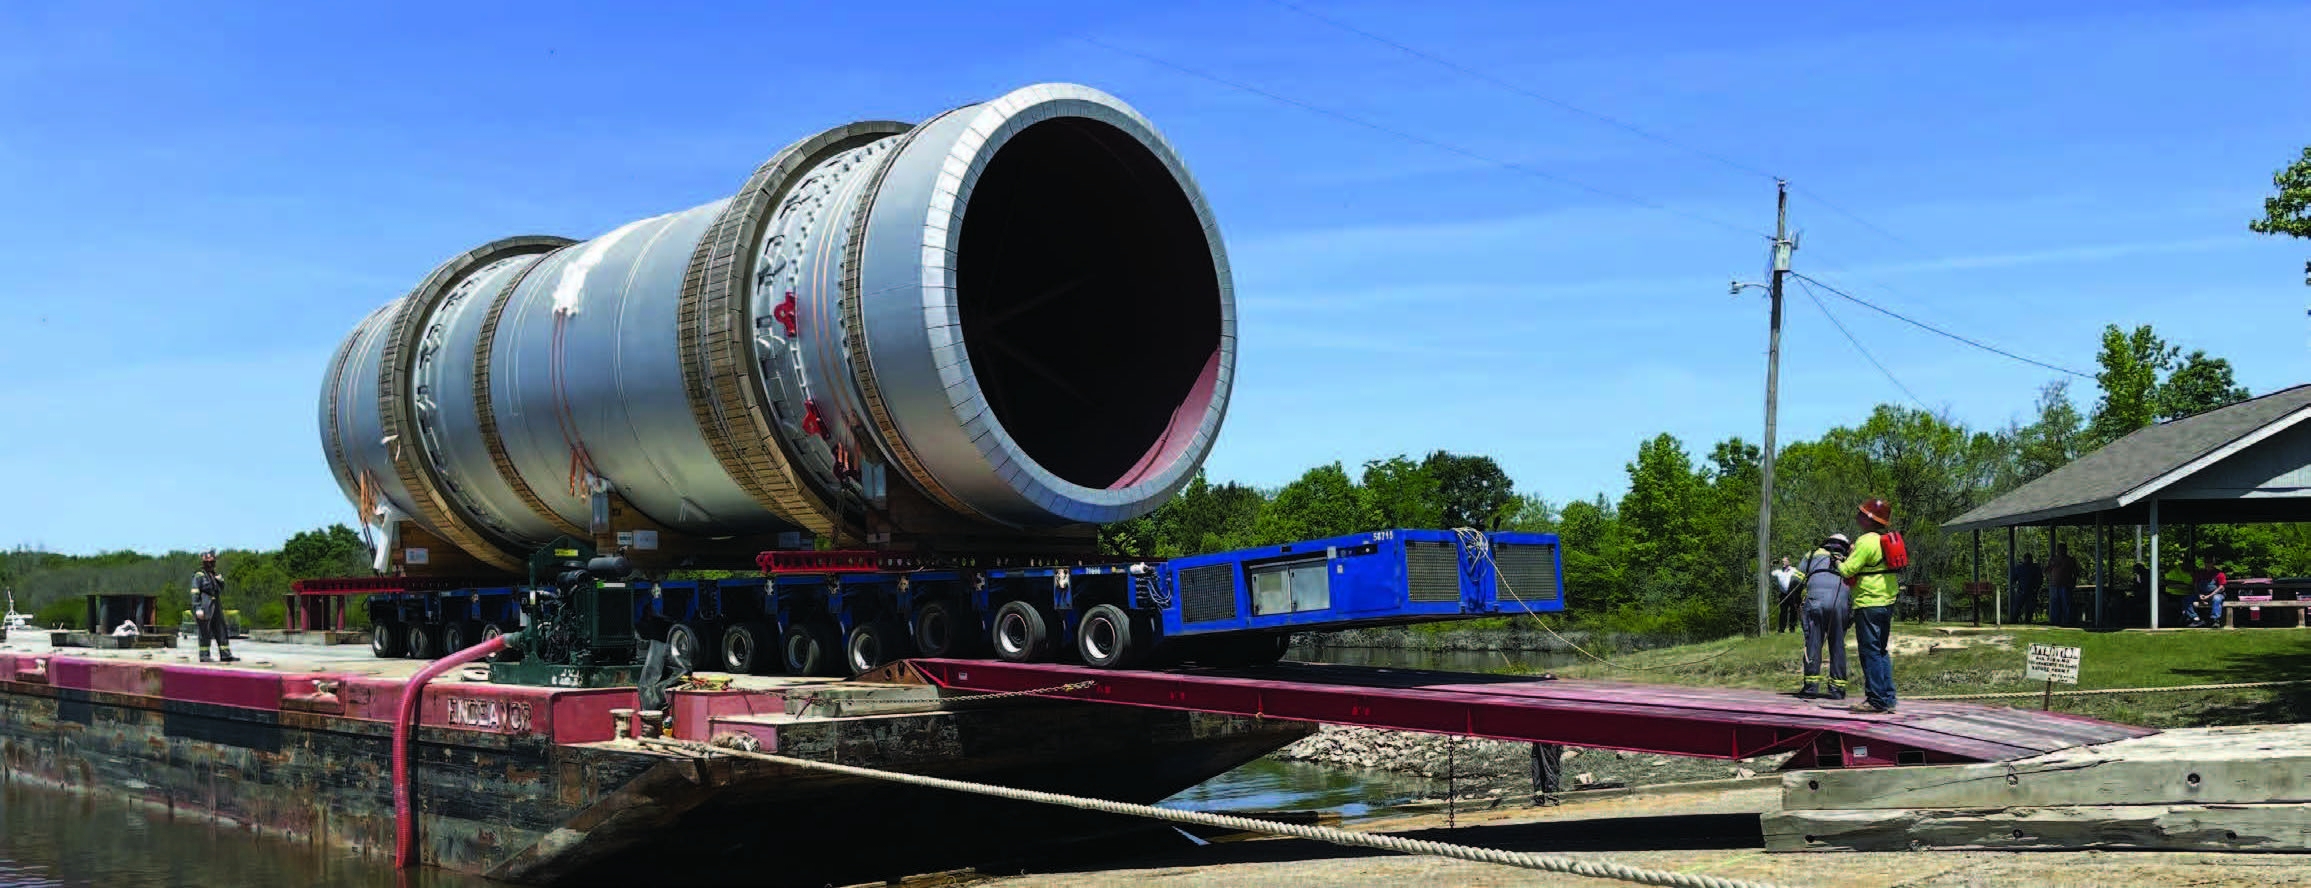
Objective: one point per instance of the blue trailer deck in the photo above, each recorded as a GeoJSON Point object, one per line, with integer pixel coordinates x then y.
{"type": "Point", "coordinates": [844, 613]}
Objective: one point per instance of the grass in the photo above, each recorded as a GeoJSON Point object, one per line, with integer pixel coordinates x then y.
{"type": "Point", "coordinates": [1968, 665]}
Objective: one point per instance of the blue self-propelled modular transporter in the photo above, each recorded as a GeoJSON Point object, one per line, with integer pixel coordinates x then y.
{"type": "Point", "coordinates": [845, 613]}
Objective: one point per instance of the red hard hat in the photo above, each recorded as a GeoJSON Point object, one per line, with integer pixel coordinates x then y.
{"type": "Point", "coordinates": [1877, 510]}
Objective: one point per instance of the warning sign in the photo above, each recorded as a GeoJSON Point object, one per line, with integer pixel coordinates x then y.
{"type": "Point", "coordinates": [2047, 662]}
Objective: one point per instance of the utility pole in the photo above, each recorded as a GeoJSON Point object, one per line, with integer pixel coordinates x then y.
{"type": "Point", "coordinates": [1782, 245]}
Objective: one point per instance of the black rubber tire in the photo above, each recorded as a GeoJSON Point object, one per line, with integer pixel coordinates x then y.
{"type": "Point", "coordinates": [1104, 638]}
{"type": "Point", "coordinates": [1019, 633]}
{"type": "Point", "coordinates": [388, 640]}
{"type": "Point", "coordinates": [686, 640]}
{"type": "Point", "coordinates": [424, 641]}
{"type": "Point", "coordinates": [942, 629]}
{"type": "Point", "coordinates": [809, 647]}
{"type": "Point", "coordinates": [458, 635]}
{"type": "Point", "coordinates": [873, 644]}
{"type": "Point", "coordinates": [504, 655]}
{"type": "Point", "coordinates": [750, 648]}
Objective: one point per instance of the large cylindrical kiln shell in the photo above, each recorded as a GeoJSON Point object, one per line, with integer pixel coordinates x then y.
{"type": "Point", "coordinates": [1021, 309]}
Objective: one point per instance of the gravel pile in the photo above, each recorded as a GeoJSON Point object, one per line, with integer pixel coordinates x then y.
{"type": "Point", "coordinates": [1496, 766]}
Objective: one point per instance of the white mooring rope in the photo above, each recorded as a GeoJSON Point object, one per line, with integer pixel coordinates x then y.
{"type": "Point", "coordinates": [1398, 844]}
{"type": "Point", "coordinates": [2098, 692]}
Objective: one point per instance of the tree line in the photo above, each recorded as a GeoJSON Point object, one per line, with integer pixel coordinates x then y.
{"type": "Point", "coordinates": [1674, 553]}
{"type": "Point", "coordinates": [52, 587]}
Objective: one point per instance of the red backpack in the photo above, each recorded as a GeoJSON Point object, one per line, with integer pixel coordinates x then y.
{"type": "Point", "coordinates": [1897, 551]}
{"type": "Point", "coordinates": [1897, 554]}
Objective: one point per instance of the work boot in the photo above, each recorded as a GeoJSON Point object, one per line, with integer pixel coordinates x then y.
{"type": "Point", "coordinates": [1810, 691]}
{"type": "Point", "coordinates": [225, 655]}
{"type": "Point", "coordinates": [1837, 692]}
{"type": "Point", "coordinates": [204, 656]}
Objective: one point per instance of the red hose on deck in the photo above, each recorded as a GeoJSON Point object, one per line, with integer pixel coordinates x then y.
{"type": "Point", "coordinates": [404, 820]}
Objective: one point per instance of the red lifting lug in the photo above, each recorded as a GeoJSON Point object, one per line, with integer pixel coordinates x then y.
{"type": "Point", "coordinates": [812, 423]}
{"type": "Point", "coordinates": [764, 560]}
{"type": "Point", "coordinates": [784, 314]}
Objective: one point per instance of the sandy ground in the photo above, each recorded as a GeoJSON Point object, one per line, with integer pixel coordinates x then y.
{"type": "Point", "coordinates": [1703, 834]}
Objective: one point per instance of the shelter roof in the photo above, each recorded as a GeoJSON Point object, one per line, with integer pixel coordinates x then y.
{"type": "Point", "coordinates": [2236, 464]}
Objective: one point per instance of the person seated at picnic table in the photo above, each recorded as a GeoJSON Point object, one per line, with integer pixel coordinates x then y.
{"type": "Point", "coordinates": [2207, 586]}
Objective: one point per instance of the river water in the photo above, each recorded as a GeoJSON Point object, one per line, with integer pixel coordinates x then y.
{"type": "Point", "coordinates": [54, 840]}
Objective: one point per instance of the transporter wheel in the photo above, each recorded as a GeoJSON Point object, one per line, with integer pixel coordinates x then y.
{"type": "Point", "coordinates": [810, 647]}
{"type": "Point", "coordinates": [747, 647]}
{"type": "Point", "coordinates": [1019, 634]}
{"type": "Point", "coordinates": [873, 644]}
{"type": "Point", "coordinates": [504, 655]}
{"type": "Point", "coordinates": [388, 640]}
{"type": "Point", "coordinates": [424, 641]}
{"type": "Point", "coordinates": [458, 635]}
{"type": "Point", "coordinates": [686, 641]}
{"type": "Point", "coordinates": [942, 629]}
{"type": "Point", "coordinates": [1104, 638]}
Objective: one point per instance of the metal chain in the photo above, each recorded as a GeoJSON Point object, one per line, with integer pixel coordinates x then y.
{"type": "Point", "coordinates": [2017, 695]}
{"type": "Point", "coordinates": [1597, 869]}
{"type": "Point", "coordinates": [1054, 689]}
{"type": "Point", "coordinates": [809, 700]}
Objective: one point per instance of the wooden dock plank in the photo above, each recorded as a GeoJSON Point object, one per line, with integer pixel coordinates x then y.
{"type": "Point", "coordinates": [2254, 765]}
{"type": "Point", "coordinates": [2277, 828]}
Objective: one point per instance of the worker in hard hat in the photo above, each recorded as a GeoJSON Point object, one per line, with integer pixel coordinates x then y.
{"type": "Point", "coordinates": [1827, 608]}
{"type": "Point", "coordinates": [209, 609]}
{"type": "Point", "coordinates": [1878, 553]}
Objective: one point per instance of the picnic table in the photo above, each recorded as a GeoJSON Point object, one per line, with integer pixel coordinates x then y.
{"type": "Point", "coordinates": [2255, 593]}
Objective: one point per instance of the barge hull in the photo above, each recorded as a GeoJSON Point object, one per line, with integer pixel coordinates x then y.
{"type": "Point", "coordinates": [525, 784]}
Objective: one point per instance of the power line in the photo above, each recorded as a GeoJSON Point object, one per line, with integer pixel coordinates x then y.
{"type": "Point", "coordinates": [1865, 223]}
{"type": "Point", "coordinates": [1857, 343]}
{"type": "Point", "coordinates": [1937, 330]}
{"type": "Point", "coordinates": [1600, 117]}
{"type": "Point", "coordinates": [1424, 140]}
{"type": "Point", "coordinates": [1555, 103]}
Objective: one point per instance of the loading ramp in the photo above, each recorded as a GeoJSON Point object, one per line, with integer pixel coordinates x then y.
{"type": "Point", "coordinates": [1727, 723]}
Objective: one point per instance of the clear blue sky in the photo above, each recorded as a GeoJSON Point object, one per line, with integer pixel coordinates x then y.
{"type": "Point", "coordinates": [201, 200]}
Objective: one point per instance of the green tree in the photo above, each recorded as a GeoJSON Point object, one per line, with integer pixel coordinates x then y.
{"type": "Point", "coordinates": [2050, 442]}
{"type": "Point", "coordinates": [1474, 491]}
{"type": "Point", "coordinates": [1728, 522]}
{"type": "Point", "coordinates": [1321, 503]}
{"type": "Point", "coordinates": [2289, 211]}
{"type": "Point", "coordinates": [2131, 366]}
{"type": "Point", "coordinates": [1595, 555]}
{"type": "Point", "coordinates": [2198, 385]}
{"type": "Point", "coordinates": [1531, 513]}
{"type": "Point", "coordinates": [333, 551]}
{"type": "Point", "coordinates": [1203, 517]}
{"type": "Point", "coordinates": [1661, 517]}
{"type": "Point", "coordinates": [1402, 493]}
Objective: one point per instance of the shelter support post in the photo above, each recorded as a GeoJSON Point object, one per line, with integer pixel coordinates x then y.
{"type": "Point", "coordinates": [2158, 579]}
{"type": "Point", "coordinates": [1976, 593]}
{"type": "Point", "coordinates": [2101, 568]}
{"type": "Point", "coordinates": [2012, 537]}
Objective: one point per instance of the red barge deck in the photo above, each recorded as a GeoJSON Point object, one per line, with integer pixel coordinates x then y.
{"type": "Point", "coordinates": [527, 784]}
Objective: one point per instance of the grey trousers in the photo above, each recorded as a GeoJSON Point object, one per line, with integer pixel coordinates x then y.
{"type": "Point", "coordinates": [1825, 625]}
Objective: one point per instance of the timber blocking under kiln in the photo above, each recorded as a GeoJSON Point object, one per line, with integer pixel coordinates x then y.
{"type": "Point", "coordinates": [2205, 789]}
